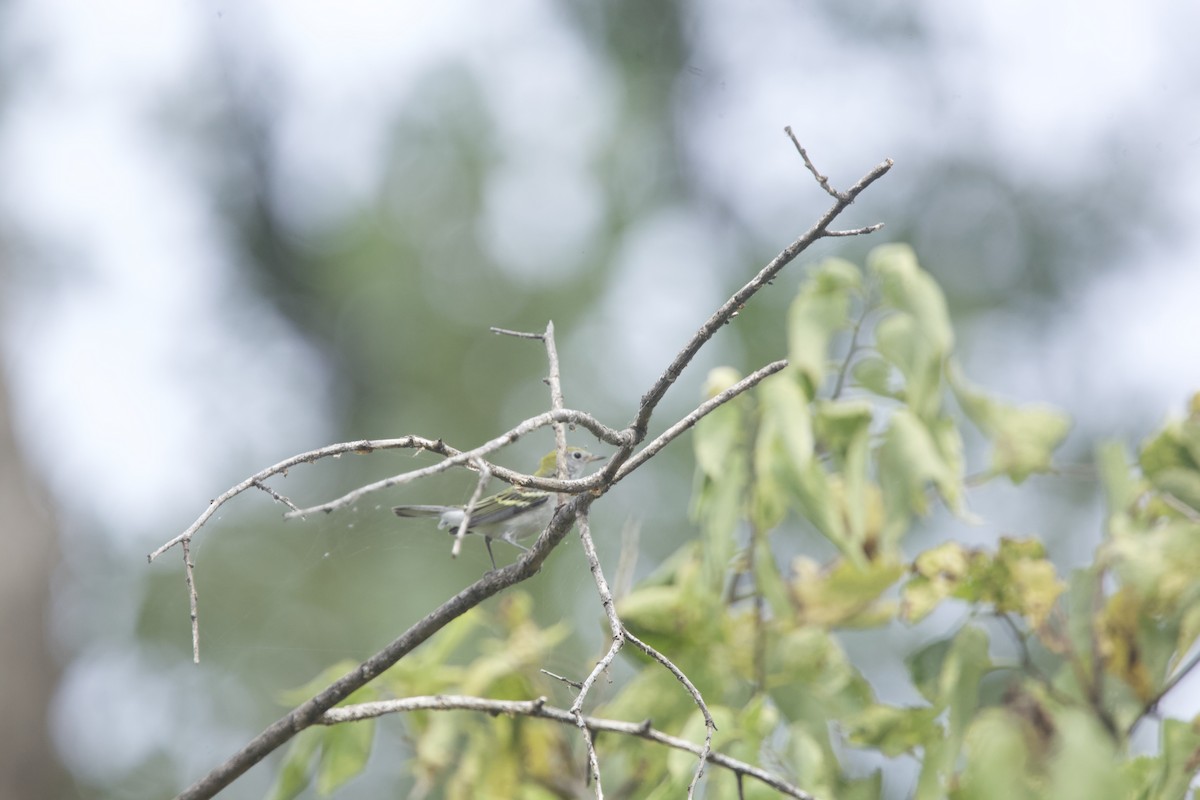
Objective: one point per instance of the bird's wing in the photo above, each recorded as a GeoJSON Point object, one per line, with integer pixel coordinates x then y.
{"type": "Point", "coordinates": [495, 510]}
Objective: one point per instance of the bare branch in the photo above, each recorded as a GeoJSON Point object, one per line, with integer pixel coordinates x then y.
{"type": "Point", "coordinates": [309, 712]}
{"type": "Point", "coordinates": [856, 231]}
{"type": "Point", "coordinates": [739, 299]}
{"type": "Point", "coordinates": [460, 458]}
{"type": "Point", "coordinates": [621, 634]}
{"type": "Point", "coordinates": [710, 725]}
{"type": "Point", "coordinates": [583, 493]}
{"type": "Point", "coordinates": [821, 179]}
{"type": "Point", "coordinates": [276, 495]}
{"type": "Point", "coordinates": [189, 573]}
{"type": "Point", "coordinates": [556, 400]}
{"type": "Point", "coordinates": [557, 677]}
{"type": "Point", "coordinates": [701, 411]}
{"type": "Point", "coordinates": [361, 446]}
{"type": "Point", "coordinates": [518, 334]}
{"type": "Point", "coordinates": [485, 475]}
{"type": "Point", "coordinates": [539, 709]}
{"type": "Point", "coordinates": [618, 641]}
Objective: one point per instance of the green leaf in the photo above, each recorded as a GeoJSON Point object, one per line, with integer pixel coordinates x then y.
{"type": "Point", "coordinates": [1023, 437]}
{"type": "Point", "coordinates": [654, 609]}
{"type": "Point", "coordinates": [1160, 563]}
{"type": "Point", "coordinates": [874, 374]}
{"type": "Point", "coordinates": [820, 310]}
{"type": "Point", "coordinates": [295, 773]}
{"type": "Point", "coordinates": [917, 338]}
{"type": "Point", "coordinates": [998, 759]}
{"type": "Point", "coordinates": [893, 731]}
{"type": "Point", "coordinates": [1170, 773]}
{"type": "Point", "coordinates": [344, 752]}
{"type": "Point", "coordinates": [723, 458]}
{"type": "Point", "coordinates": [914, 455]}
{"type": "Point", "coordinates": [786, 407]}
{"type": "Point", "coordinates": [1171, 460]}
{"type": "Point", "coordinates": [786, 452]}
{"type": "Point", "coordinates": [770, 581]}
{"type": "Point", "coordinates": [722, 431]}
{"type": "Point", "coordinates": [810, 757]}
{"type": "Point", "coordinates": [908, 288]}
{"type": "Point", "coordinates": [809, 676]}
{"type": "Point", "coordinates": [1120, 487]}
{"type": "Point", "coordinates": [771, 490]}
{"type": "Point", "coordinates": [1086, 764]}
{"type": "Point", "coordinates": [947, 672]}
{"type": "Point", "coordinates": [962, 672]}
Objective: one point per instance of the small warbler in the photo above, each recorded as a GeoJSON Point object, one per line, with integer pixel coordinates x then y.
{"type": "Point", "coordinates": [513, 514]}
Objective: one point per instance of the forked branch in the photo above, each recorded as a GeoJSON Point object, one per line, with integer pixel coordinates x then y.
{"type": "Point", "coordinates": [580, 494]}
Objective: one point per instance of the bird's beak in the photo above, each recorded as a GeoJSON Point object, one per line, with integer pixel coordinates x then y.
{"type": "Point", "coordinates": [593, 457]}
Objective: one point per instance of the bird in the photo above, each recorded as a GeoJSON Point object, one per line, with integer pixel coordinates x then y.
{"type": "Point", "coordinates": [515, 513]}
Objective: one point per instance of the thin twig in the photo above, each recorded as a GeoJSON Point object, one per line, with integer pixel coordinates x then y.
{"type": "Point", "coordinates": [518, 334]}
{"type": "Point", "coordinates": [1180, 506]}
{"type": "Point", "coordinates": [460, 458]}
{"type": "Point", "coordinates": [710, 725]}
{"type": "Point", "coordinates": [1027, 662]}
{"type": "Point", "coordinates": [851, 350]}
{"type": "Point", "coordinates": [554, 381]}
{"type": "Point", "coordinates": [618, 640]}
{"type": "Point", "coordinates": [361, 446]}
{"type": "Point", "coordinates": [485, 475]}
{"type": "Point", "coordinates": [276, 495]}
{"type": "Point", "coordinates": [189, 576]}
{"type": "Point", "coordinates": [856, 231]}
{"type": "Point", "coordinates": [701, 411]}
{"type": "Point", "coordinates": [1152, 704]}
{"type": "Point", "coordinates": [738, 300]}
{"type": "Point", "coordinates": [587, 491]}
{"type": "Point", "coordinates": [621, 634]}
{"type": "Point", "coordinates": [540, 709]}
{"type": "Point", "coordinates": [309, 712]}
{"type": "Point", "coordinates": [821, 179]}
{"type": "Point", "coordinates": [557, 677]}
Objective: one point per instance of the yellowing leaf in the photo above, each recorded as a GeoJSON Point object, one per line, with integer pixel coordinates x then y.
{"type": "Point", "coordinates": [1035, 589]}
{"type": "Point", "coordinates": [1117, 632]}
{"type": "Point", "coordinates": [841, 594]}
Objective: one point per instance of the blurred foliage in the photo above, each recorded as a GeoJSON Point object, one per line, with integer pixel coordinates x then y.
{"type": "Point", "coordinates": [859, 463]}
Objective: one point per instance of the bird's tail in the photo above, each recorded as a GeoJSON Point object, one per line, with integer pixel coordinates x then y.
{"type": "Point", "coordinates": [420, 511]}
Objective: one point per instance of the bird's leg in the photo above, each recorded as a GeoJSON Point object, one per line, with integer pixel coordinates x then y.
{"type": "Point", "coordinates": [488, 541]}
